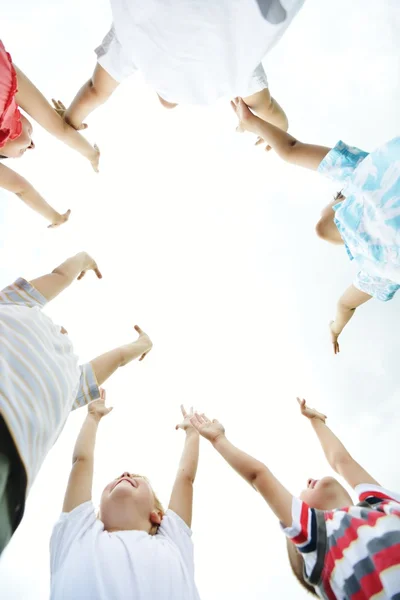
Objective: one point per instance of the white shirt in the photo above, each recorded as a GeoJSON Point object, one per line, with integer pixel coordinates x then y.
{"type": "Point", "coordinates": [88, 563]}
{"type": "Point", "coordinates": [195, 51]}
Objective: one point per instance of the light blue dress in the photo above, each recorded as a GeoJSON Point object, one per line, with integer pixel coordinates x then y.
{"type": "Point", "coordinates": [368, 219]}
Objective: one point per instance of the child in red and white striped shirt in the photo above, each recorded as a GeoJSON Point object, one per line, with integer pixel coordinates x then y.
{"type": "Point", "coordinates": [337, 550]}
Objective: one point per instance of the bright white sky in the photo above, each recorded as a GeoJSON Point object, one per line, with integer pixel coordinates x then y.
{"type": "Point", "coordinates": [208, 244]}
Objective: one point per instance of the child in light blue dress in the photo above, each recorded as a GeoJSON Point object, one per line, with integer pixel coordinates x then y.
{"type": "Point", "coordinates": [364, 215]}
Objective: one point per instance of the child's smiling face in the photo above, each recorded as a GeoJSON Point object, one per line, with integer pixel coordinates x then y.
{"type": "Point", "coordinates": [128, 502]}
{"type": "Point", "coordinates": [325, 494]}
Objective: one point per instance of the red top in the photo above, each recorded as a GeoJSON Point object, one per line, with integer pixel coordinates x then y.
{"type": "Point", "coordinates": [10, 117]}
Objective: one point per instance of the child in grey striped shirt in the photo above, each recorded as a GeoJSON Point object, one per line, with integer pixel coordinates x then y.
{"type": "Point", "coordinates": [41, 382]}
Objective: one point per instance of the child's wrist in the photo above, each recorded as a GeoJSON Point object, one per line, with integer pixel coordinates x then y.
{"type": "Point", "coordinates": [218, 440]}
{"type": "Point", "coordinates": [191, 431]}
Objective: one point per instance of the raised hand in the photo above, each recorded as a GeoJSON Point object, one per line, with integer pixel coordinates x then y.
{"type": "Point", "coordinates": [211, 430]}
{"type": "Point", "coordinates": [310, 413]}
{"type": "Point", "coordinates": [59, 220]}
{"type": "Point", "coordinates": [61, 111]}
{"type": "Point", "coordinates": [334, 337]}
{"type": "Point", "coordinates": [90, 265]}
{"type": "Point", "coordinates": [186, 424]}
{"type": "Point", "coordinates": [144, 342]}
{"type": "Point", "coordinates": [98, 408]}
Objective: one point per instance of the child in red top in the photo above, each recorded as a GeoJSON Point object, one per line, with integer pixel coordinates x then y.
{"type": "Point", "coordinates": [16, 91]}
{"type": "Point", "coordinates": [337, 550]}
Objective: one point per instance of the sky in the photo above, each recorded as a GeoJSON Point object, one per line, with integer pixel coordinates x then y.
{"type": "Point", "coordinates": [208, 244]}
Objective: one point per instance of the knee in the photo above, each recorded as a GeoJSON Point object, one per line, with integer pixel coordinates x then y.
{"type": "Point", "coordinates": [165, 103]}
{"type": "Point", "coordinates": [322, 229]}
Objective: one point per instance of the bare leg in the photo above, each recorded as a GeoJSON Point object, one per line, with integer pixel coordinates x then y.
{"type": "Point", "coordinates": [54, 283]}
{"type": "Point", "coordinates": [92, 94]}
{"type": "Point", "coordinates": [326, 228]}
{"type": "Point", "coordinates": [106, 364]}
{"type": "Point", "coordinates": [165, 103]}
{"type": "Point", "coordinates": [267, 109]}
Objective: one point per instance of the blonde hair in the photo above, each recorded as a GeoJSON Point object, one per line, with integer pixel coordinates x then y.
{"type": "Point", "coordinates": [158, 506]}
{"type": "Point", "coordinates": [297, 564]}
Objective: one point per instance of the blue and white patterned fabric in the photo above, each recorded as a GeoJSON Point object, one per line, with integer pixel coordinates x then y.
{"type": "Point", "coordinates": [368, 219]}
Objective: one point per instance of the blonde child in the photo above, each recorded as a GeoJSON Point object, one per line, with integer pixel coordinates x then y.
{"type": "Point", "coordinates": [41, 382]}
{"type": "Point", "coordinates": [364, 215]}
{"type": "Point", "coordinates": [336, 549]}
{"type": "Point", "coordinates": [17, 91]}
{"type": "Point", "coordinates": [132, 548]}
{"type": "Point", "coordinates": [189, 53]}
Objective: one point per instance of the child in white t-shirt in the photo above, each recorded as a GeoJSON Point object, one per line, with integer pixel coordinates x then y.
{"type": "Point", "coordinates": [189, 53]}
{"type": "Point", "coordinates": [337, 550]}
{"type": "Point", "coordinates": [132, 549]}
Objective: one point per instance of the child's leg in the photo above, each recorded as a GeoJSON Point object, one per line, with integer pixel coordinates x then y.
{"type": "Point", "coordinates": [106, 364]}
{"type": "Point", "coordinates": [267, 109]}
{"type": "Point", "coordinates": [61, 277]}
{"type": "Point", "coordinates": [326, 228]}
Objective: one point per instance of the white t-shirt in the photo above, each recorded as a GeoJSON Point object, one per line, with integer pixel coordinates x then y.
{"type": "Point", "coordinates": [88, 563]}
{"type": "Point", "coordinates": [195, 51]}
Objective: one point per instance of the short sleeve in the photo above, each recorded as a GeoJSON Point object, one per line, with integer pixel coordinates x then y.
{"type": "Point", "coordinates": [22, 293]}
{"type": "Point", "coordinates": [257, 82]}
{"type": "Point", "coordinates": [378, 287]}
{"type": "Point", "coordinates": [302, 531]}
{"type": "Point", "coordinates": [175, 529]}
{"type": "Point", "coordinates": [340, 163]}
{"type": "Point", "coordinates": [88, 387]}
{"type": "Point", "coordinates": [308, 534]}
{"type": "Point", "coordinates": [115, 59]}
{"type": "Point", "coordinates": [369, 490]}
{"type": "Point", "coordinates": [70, 527]}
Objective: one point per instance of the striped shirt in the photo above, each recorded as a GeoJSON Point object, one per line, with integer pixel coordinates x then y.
{"type": "Point", "coordinates": [40, 380]}
{"type": "Point", "coordinates": [351, 553]}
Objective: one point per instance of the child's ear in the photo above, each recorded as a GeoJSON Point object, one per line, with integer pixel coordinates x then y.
{"type": "Point", "coordinates": [156, 517]}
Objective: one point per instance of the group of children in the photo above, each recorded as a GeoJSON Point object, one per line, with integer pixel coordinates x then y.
{"type": "Point", "coordinates": [336, 549]}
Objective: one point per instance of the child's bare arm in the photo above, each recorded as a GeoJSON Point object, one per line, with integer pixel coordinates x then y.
{"type": "Point", "coordinates": [30, 99]}
{"type": "Point", "coordinates": [79, 489]}
{"type": "Point", "coordinates": [92, 94]}
{"type": "Point", "coordinates": [252, 470]}
{"type": "Point", "coordinates": [52, 284]}
{"type": "Point", "coordinates": [346, 306]}
{"type": "Point", "coordinates": [181, 501]}
{"type": "Point", "coordinates": [284, 144]}
{"type": "Point", "coordinates": [13, 182]}
{"type": "Point", "coordinates": [336, 454]}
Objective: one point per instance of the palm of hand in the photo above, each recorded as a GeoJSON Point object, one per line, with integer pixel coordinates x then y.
{"type": "Point", "coordinates": [185, 424]}
{"type": "Point", "coordinates": [310, 413]}
{"type": "Point", "coordinates": [98, 407]}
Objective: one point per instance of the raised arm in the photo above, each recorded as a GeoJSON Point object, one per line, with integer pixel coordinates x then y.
{"type": "Point", "coordinates": [252, 470]}
{"type": "Point", "coordinates": [346, 306]}
{"type": "Point", "coordinates": [95, 92]}
{"type": "Point", "coordinates": [336, 454]}
{"type": "Point", "coordinates": [32, 101]}
{"type": "Point", "coordinates": [79, 489]}
{"type": "Point", "coordinates": [284, 144]}
{"type": "Point", "coordinates": [181, 501]}
{"type": "Point", "coordinates": [13, 182]}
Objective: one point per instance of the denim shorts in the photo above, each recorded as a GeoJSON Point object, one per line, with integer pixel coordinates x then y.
{"type": "Point", "coordinates": [13, 483]}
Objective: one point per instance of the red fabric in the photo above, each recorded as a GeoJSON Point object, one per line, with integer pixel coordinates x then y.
{"type": "Point", "coordinates": [10, 117]}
